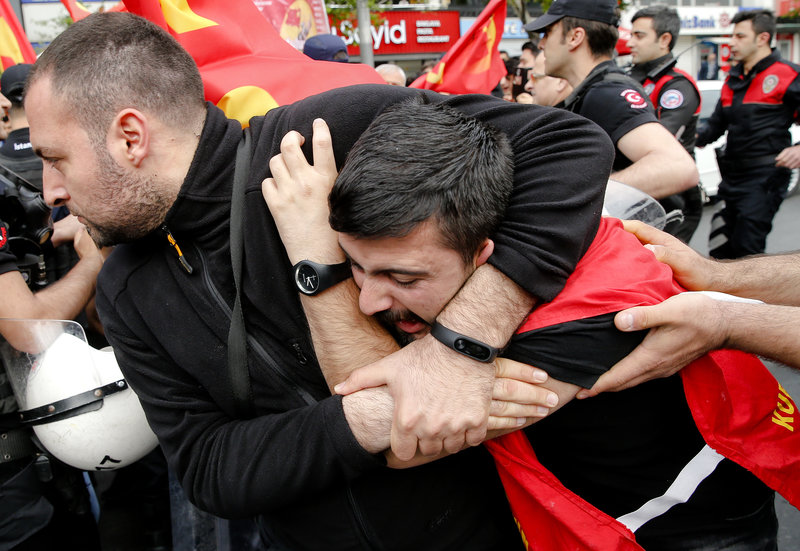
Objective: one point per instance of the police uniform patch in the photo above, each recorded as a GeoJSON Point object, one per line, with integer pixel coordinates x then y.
{"type": "Point", "coordinates": [671, 99]}
{"type": "Point", "coordinates": [634, 98]}
{"type": "Point", "coordinates": [769, 84]}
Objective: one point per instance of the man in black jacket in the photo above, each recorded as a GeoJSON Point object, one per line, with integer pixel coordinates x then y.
{"type": "Point", "coordinates": [757, 105]}
{"type": "Point", "coordinates": [674, 96]}
{"type": "Point", "coordinates": [145, 162]}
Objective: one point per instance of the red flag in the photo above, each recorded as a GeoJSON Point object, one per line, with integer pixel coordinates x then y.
{"type": "Point", "coordinates": [247, 68]}
{"type": "Point", "coordinates": [550, 517]}
{"type": "Point", "coordinates": [622, 42]}
{"type": "Point", "coordinates": [739, 408]}
{"type": "Point", "coordinates": [14, 45]}
{"type": "Point", "coordinates": [473, 65]}
{"type": "Point", "coordinates": [78, 11]}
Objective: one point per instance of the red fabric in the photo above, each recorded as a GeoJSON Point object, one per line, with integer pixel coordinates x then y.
{"type": "Point", "coordinates": [473, 65]}
{"type": "Point", "coordinates": [247, 68]}
{"type": "Point", "coordinates": [549, 516]}
{"type": "Point", "coordinates": [615, 273]}
{"type": "Point", "coordinates": [731, 394]}
{"type": "Point", "coordinates": [747, 416]}
{"type": "Point", "coordinates": [14, 44]}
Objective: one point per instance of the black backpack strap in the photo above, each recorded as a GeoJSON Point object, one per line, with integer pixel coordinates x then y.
{"type": "Point", "coordinates": [237, 335]}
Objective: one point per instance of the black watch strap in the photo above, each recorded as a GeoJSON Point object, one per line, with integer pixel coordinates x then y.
{"type": "Point", "coordinates": [462, 344]}
{"type": "Point", "coordinates": [312, 278]}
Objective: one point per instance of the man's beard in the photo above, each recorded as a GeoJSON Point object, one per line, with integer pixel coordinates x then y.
{"type": "Point", "coordinates": [388, 318]}
{"type": "Point", "coordinates": [139, 206]}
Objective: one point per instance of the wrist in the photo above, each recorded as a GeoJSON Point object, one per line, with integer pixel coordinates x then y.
{"type": "Point", "coordinates": [464, 344]}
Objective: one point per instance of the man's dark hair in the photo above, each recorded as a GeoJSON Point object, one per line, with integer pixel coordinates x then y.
{"type": "Point", "coordinates": [665, 20]}
{"type": "Point", "coordinates": [419, 161]}
{"type": "Point", "coordinates": [111, 61]}
{"type": "Point", "coordinates": [601, 37]}
{"type": "Point", "coordinates": [532, 47]}
{"type": "Point", "coordinates": [763, 21]}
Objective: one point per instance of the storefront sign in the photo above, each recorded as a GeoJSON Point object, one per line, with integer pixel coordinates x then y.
{"type": "Point", "coordinates": [404, 32]}
{"type": "Point", "coordinates": [706, 21]}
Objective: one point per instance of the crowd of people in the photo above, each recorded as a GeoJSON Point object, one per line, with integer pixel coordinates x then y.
{"type": "Point", "coordinates": [383, 317]}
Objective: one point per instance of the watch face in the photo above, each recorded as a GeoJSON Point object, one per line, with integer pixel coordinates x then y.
{"type": "Point", "coordinates": [307, 279]}
{"type": "Point", "coordinates": [472, 349]}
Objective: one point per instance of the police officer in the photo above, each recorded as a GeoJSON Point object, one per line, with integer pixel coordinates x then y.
{"type": "Point", "coordinates": [35, 515]}
{"type": "Point", "coordinates": [674, 96]}
{"type": "Point", "coordinates": [578, 39]}
{"type": "Point", "coordinates": [16, 153]}
{"type": "Point", "coordinates": [757, 106]}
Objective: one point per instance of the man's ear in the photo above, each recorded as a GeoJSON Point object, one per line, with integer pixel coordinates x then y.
{"type": "Point", "coordinates": [484, 252]}
{"type": "Point", "coordinates": [664, 40]}
{"type": "Point", "coordinates": [129, 138]}
{"type": "Point", "coordinates": [576, 37]}
{"type": "Point", "coordinates": [764, 38]}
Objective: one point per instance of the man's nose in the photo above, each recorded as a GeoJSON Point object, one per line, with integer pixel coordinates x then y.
{"type": "Point", "coordinates": [373, 297]}
{"type": "Point", "coordinates": [55, 194]}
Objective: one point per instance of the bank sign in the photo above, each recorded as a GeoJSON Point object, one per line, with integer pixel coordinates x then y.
{"type": "Point", "coordinates": [706, 21]}
{"type": "Point", "coordinates": [404, 32]}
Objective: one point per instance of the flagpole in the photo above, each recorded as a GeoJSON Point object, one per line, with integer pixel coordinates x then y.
{"type": "Point", "coordinates": [364, 34]}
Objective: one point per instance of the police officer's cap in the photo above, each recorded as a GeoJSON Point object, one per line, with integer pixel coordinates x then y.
{"type": "Point", "coordinates": [12, 81]}
{"type": "Point", "coordinates": [604, 11]}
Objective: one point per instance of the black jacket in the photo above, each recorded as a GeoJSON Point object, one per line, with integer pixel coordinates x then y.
{"type": "Point", "coordinates": [756, 109]}
{"type": "Point", "coordinates": [674, 96]}
{"type": "Point", "coordinates": [297, 463]}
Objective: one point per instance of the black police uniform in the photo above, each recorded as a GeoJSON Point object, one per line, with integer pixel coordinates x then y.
{"type": "Point", "coordinates": [614, 101]}
{"type": "Point", "coordinates": [16, 154]}
{"type": "Point", "coordinates": [43, 503]}
{"type": "Point", "coordinates": [757, 110]}
{"type": "Point", "coordinates": [676, 100]}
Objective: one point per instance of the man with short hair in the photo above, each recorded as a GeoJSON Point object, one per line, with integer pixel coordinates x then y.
{"type": "Point", "coordinates": [392, 74]}
{"type": "Point", "coordinates": [674, 95]}
{"type": "Point", "coordinates": [544, 89]}
{"type": "Point", "coordinates": [757, 105]}
{"type": "Point", "coordinates": [117, 112]}
{"type": "Point", "coordinates": [415, 229]}
{"type": "Point", "coordinates": [579, 37]}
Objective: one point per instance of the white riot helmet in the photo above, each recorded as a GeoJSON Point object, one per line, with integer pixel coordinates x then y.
{"type": "Point", "coordinates": [81, 408]}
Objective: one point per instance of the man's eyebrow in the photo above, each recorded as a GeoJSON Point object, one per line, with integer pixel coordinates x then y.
{"type": "Point", "coordinates": [390, 270]}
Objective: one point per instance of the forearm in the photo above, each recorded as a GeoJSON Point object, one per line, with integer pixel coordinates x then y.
{"type": "Point", "coordinates": [344, 338]}
{"type": "Point", "coordinates": [487, 286]}
{"type": "Point", "coordinates": [68, 296]}
{"type": "Point", "coordinates": [770, 278]}
{"type": "Point", "coordinates": [765, 330]}
{"type": "Point", "coordinates": [660, 175]}
{"type": "Point", "coordinates": [64, 299]}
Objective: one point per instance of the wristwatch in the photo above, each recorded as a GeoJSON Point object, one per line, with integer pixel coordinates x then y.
{"type": "Point", "coordinates": [312, 278]}
{"type": "Point", "coordinates": [462, 344]}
